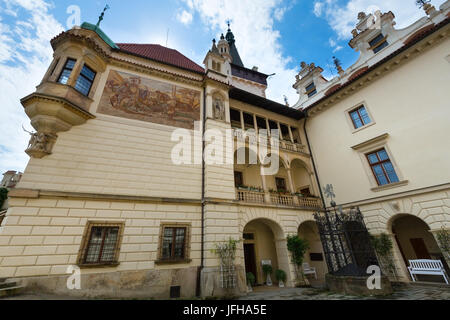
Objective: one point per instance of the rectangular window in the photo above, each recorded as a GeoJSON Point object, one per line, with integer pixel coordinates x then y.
{"type": "Point", "coordinates": [67, 70]}
{"type": "Point", "coordinates": [281, 184]}
{"type": "Point", "coordinates": [360, 117]}
{"type": "Point", "coordinates": [378, 43]}
{"type": "Point", "coordinates": [311, 90]}
{"type": "Point", "coordinates": [101, 244]}
{"type": "Point", "coordinates": [238, 179]}
{"type": "Point", "coordinates": [174, 243]}
{"type": "Point", "coordinates": [382, 167]}
{"type": "Point", "coordinates": [85, 80]}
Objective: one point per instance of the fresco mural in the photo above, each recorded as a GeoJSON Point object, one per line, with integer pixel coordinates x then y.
{"type": "Point", "coordinates": [129, 96]}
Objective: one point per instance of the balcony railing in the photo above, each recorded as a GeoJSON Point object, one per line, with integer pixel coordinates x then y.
{"type": "Point", "coordinates": [309, 202]}
{"type": "Point", "coordinates": [283, 144]}
{"type": "Point", "coordinates": [285, 200]}
{"type": "Point", "coordinates": [250, 196]}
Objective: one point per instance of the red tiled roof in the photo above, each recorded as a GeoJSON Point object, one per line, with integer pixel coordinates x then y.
{"type": "Point", "coordinates": [419, 33]}
{"type": "Point", "coordinates": [161, 54]}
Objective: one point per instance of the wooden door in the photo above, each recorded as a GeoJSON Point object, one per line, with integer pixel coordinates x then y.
{"type": "Point", "coordinates": [250, 259]}
{"type": "Point", "coordinates": [420, 248]}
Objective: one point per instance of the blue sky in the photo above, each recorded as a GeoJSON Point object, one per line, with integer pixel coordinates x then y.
{"type": "Point", "coordinates": [275, 35]}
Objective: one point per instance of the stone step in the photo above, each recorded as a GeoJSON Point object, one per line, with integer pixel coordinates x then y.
{"type": "Point", "coordinates": [9, 292]}
{"type": "Point", "coordinates": [5, 285]}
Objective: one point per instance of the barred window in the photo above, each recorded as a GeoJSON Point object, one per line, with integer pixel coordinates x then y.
{"type": "Point", "coordinates": [101, 244]}
{"type": "Point", "coordinates": [378, 43]}
{"type": "Point", "coordinates": [174, 243]}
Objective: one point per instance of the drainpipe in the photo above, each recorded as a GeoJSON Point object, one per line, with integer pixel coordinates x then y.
{"type": "Point", "coordinates": [313, 162]}
{"type": "Point", "coordinates": [202, 257]}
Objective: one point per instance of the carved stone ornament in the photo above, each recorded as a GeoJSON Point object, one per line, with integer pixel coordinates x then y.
{"type": "Point", "coordinates": [219, 110]}
{"type": "Point", "coordinates": [40, 144]}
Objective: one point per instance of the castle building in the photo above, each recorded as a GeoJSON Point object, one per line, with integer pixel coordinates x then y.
{"type": "Point", "coordinates": [121, 185]}
{"type": "Point", "coordinates": [377, 131]}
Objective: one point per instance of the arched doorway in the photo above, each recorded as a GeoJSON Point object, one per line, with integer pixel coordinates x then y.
{"type": "Point", "coordinates": [415, 241]}
{"type": "Point", "coordinates": [301, 179]}
{"type": "Point", "coordinates": [309, 231]}
{"type": "Point", "coordinates": [264, 243]}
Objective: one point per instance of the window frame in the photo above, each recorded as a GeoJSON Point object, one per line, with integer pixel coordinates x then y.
{"type": "Point", "coordinates": [86, 79]}
{"type": "Point", "coordinates": [81, 260]}
{"type": "Point", "coordinates": [370, 146]}
{"type": "Point", "coordinates": [311, 92]}
{"type": "Point", "coordinates": [65, 68]}
{"type": "Point", "coordinates": [350, 119]}
{"type": "Point", "coordinates": [187, 243]}
{"type": "Point", "coordinates": [284, 182]}
{"type": "Point", "coordinates": [237, 172]}
{"type": "Point", "coordinates": [357, 110]}
{"type": "Point", "coordinates": [380, 163]}
{"type": "Point", "coordinates": [375, 47]}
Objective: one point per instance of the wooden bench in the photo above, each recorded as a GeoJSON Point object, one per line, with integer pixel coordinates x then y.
{"type": "Point", "coordinates": [427, 267]}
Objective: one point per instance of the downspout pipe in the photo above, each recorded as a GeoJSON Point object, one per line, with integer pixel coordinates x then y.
{"type": "Point", "coordinates": [202, 250]}
{"type": "Point", "coordinates": [312, 160]}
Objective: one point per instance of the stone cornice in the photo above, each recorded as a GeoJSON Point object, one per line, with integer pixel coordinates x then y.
{"type": "Point", "coordinates": [36, 194]}
{"type": "Point", "coordinates": [64, 102]}
{"type": "Point", "coordinates": [385, 67]}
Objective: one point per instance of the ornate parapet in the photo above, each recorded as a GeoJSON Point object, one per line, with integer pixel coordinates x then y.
{"type": "Point", "coordinates": [49, 115]}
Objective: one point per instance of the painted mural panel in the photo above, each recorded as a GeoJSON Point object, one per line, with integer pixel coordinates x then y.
{"type": "Point", "coordinates": [133, 97]}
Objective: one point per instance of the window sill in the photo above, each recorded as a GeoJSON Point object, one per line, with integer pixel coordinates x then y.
{"type": "Point", "coordinates": [99, 265]}
{"type": "Point", "coordinates": [363, 127]}
{"type": "Point", "coordinates": [390, 186]}
{"type": "Point", "coordinates": [164, 262]}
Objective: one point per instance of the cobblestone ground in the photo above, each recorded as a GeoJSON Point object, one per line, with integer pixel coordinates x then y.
{"type": "Point", "coordinates": [402, 292]}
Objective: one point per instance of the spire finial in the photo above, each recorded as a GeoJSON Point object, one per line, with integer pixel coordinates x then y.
{"type": "Point", "coordinates": [100, 18]}
{"type": "Point", "coordinates": [229, 24]}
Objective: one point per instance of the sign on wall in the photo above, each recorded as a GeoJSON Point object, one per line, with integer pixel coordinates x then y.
{"type": "Point", "coordinates": [133, 97]}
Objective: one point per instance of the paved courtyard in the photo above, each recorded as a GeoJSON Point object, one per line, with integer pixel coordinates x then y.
{"type": "Point", "coordinates": [401, 292]}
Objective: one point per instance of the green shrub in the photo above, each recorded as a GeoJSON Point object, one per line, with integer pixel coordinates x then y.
{"type": "Point", "coordinates": [281, 275]}
{"type": "Point", "coordinates": [3, 196]}
{"type": "Point", "coordinates": [251, 279]}
{"type": "Point", "coordinates": [297, 247]}
{"type": "Point", "coordinates": [267, 269]}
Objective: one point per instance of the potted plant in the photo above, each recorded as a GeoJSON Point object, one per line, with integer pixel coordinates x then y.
{"type": "Point", "coordinates": [251, 279]}
{"type": "Point", "coordinates": [267, 269]}
{"type": "Point", "coordinates": [281, 277]}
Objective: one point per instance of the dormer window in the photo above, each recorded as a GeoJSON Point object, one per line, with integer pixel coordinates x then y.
{"type": "Point", "coordinates": [67, 70]}
{"type": "Point", "coordinates": [378, 43]}
{"type": "Point", "coordinates": [85, 80]}
{"type": "Point", "coordinates": [311, 90]}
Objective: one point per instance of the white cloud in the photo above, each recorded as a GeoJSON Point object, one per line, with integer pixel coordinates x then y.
{"type": "Point", "coordinates": [185, 17]}
{"type": "Point", "coordinates": [318, 8]}
{"type": "Point", "coordinates": [25, 54]}
{"type": "Point", "coordinates": [257, 41]}
{"type": "Point", "coordinates": [343, 18]}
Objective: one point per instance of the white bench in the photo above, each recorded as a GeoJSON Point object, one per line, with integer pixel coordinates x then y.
{"type": "Point", "coordinates": [428, 267]}
{"type": "Point", "coordinates": [307, 269]}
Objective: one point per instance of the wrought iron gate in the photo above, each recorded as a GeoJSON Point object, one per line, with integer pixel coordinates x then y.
{"type": "Point", "coordinates": [346, 242]}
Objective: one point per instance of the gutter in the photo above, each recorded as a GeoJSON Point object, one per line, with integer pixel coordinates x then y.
{"type": "Point", "coordinates": [198, 290]}
{"type": "Point", "coordinates": [312, 160]}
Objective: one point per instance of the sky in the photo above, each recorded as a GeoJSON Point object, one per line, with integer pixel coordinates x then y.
{"type": "Point", "coordinates": [275, 35]}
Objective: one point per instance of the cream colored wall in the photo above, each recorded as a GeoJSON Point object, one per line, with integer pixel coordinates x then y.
{"type": "Point", "coordinates": [42, 237]}
{"type": "Point", "coordinates": [407, 228]}
{"type": "Point", "coordinates": [411, 104]}
{"type": "Point", "coordinates": [113, 155]}
{"type": "Point", "coordinates": [310, 232]}
{"type": "Point", "coordinates": [264, 247]}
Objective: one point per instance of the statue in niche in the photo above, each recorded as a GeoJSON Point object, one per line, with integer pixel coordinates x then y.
{"type": "Point", "coordinates": [219, 109]}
